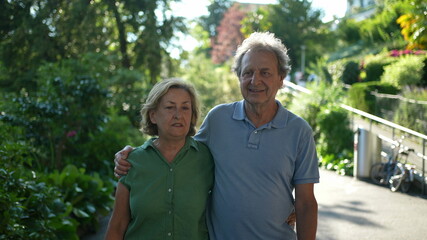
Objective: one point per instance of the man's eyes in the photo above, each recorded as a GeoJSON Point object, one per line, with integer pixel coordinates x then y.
{"type": "Point", "coordinates": [246, 74]}
{"type": "Point", "coordinates": [264, 73]}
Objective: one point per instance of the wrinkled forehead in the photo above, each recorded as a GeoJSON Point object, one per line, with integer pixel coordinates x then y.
{"type": "Point", "coordinates": [259, 58]}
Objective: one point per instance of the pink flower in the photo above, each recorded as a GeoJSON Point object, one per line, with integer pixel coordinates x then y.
{"type": "Point", "coordinates": [72, 133]}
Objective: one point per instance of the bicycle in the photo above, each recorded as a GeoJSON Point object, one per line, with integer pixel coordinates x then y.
{"type": "Point", "coordinates": [382, 172]}
{"type": "Point", "coordinates": [404, 174]}
{"type": "Point", "coordinates": [392, 172]}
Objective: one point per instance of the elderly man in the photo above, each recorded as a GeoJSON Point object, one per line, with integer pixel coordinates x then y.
{"type": "Point", "coordinates": [262, 153]}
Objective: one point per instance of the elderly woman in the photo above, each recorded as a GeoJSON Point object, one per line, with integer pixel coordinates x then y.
{"type": "Point", "coordinates": [165, 193]}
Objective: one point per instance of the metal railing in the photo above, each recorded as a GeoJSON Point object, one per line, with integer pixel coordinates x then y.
{"type": "Point", "coordinates": [392, 125]}
{"type": "Point", "coordinates": [401, 128]}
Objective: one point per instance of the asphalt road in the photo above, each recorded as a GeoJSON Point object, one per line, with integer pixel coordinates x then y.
{"type": "Point", "coordinates": [354, 209]}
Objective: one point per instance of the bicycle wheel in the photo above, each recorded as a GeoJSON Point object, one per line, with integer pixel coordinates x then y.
{"type": "Point", "coordinates": [406, 185]}
{"type": "Point", "coordinates": [398, 178]}
{"type": "Point", "coordinates": [377, 173]}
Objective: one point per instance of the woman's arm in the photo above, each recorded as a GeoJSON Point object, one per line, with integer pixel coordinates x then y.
{"type": "Point", "coordinates": [121, 214]}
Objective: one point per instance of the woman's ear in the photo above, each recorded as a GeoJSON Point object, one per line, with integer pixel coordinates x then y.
{"type": "Point", "coordinates": [152, 115]}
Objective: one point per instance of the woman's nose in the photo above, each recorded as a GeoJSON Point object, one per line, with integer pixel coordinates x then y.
{"type": "Point", "coordinates": [177, 114]}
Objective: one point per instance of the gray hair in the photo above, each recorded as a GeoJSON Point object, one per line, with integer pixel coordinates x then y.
{"type": "Point", "coordinates": [154, 98]}
{"type": "Point", "coordinates": [263, 41]}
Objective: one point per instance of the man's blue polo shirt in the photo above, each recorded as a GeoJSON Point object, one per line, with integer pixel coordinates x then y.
{"type": "Point", "coordinates": [256, 170]}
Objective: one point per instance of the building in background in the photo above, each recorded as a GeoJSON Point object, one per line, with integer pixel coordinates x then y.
{"type": "Point", "coordinates": [360, 9]}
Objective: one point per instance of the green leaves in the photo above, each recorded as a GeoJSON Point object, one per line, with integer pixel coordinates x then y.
{"type": "Point", "coordinates": [31, 209]}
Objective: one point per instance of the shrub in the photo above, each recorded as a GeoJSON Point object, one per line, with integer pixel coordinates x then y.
{"type": "Point", "coordinates": [54, 206]}
{"type": "Point", "coordinates": [351, 73]}
{"type": "Point", "coordinates": [343, 165]}
{"type": "Point", "coordinates": [309, 105]}
{"type": "Point", "coordinates": [89, 196]}
{"type": "Point", "coordinates": [335, 142]}
{"type": "Point", "coordinates": [411, 114]}
{"type": "Point", "coordinates": [374, 66]}
{"type": "Point", "coordinates": [360, 97]}
{"type": "Point", "coordinates": [335, 136]}
{"type": "Point", "coordinates": [336, 69]}
{"type": "Point", "coordinates": [29, 208]}
{"type": "Point", "coordinates": [408, 70]}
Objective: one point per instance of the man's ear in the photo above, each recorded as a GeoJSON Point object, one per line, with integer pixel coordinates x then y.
{"type": "Point", "coordinates": [282, 80]}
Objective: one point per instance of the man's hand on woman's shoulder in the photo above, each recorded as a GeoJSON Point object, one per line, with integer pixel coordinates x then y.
{"type": "Point", "coordinates": [122, 166]}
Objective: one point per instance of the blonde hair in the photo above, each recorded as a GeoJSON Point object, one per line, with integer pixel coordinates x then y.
{"type": "Point", "coordinates": [263, 41]}
{"type": "Point", "coordinates": [154, 98]}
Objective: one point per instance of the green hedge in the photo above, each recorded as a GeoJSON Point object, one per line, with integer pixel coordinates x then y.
{"type": "Point", "coordinates": [351, 73]}
{"type": "Point", "coordinates": [31, 209]}
{"type": "Point", "coordinates": [407, 70]}
{"type": "Point", "coordinates": [374, 66]}
{"type": "Point", "coordinates": [332, 132]}
{"type": "Point", "coordinates": [360, 97]}
{"type": "Point", "coordinates": [37, 205]}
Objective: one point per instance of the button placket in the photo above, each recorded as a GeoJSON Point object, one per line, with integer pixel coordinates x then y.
{"type": "Point", "coordinates": [254, 139]}
{"type": "Point", "coordinates": [170, 190]}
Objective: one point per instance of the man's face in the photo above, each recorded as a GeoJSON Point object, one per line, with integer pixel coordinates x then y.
{"type": "Point", "coordinates": [260, 79]}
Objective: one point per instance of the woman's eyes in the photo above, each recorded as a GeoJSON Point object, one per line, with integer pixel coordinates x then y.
{"type": "Point", "coordinates": [173, 107]}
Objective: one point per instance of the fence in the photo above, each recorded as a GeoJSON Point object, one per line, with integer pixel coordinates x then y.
{"type": "Point", "coordinates": [422, 139]}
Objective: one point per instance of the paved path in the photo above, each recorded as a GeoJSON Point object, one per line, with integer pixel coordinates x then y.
{"type": "Point", "coordinates": [354, 209]}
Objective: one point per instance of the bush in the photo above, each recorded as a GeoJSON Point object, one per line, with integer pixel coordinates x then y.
{"type": "Point", "coordinates": [330, 124]}
{"type": "Point", "coordinates": [309, 105]}
{"type": "Point", "coordinates": [336, 69]}
{"type": "Point", "coordinates": [29, 208]}
{"type": "Point", "coordinates": [374, 66]}
{"type": "Point", "coordinates": [343, 165]}
{"type": "Point", "coordinates": [335, 136]}
{"type": "Point", "coordinates": [411, 114]}
{"type": "Point", "coordinates": [351, 73]}
{"type": "Point", "coordinates": [360, 97]}
{"type": "Point", "coordinates": [53, 206]}
{"type": "Point", "coordinates": [408, 70]}
{"type": "Point", "coordinates": [98, 153]}
{"type": "Point", "coordinates": [89, 196]}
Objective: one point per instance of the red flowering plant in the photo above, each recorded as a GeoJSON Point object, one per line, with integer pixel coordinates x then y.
{"type": "Point", "coordinates": [398, 53]}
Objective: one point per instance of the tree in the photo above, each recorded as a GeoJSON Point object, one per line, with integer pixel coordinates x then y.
{"type": "Point", "coordinates": [298, 26]}
{"type": "Point", "coordinates": [413, 25]}
{"type": "Point", "coordinates": [68, 108]}
{"type": "Point", "coordinates": [216, 10]}
{"type": "Point", "coordinates": [136, 33]}
{"type": "Point", "coordinates": [382, 27]}
{"type": "Point", "coordinates": [229, 36]}
{"type": "Point", "coordinates": [255, 21]}
{"type": "Point", "coordinates": [349, 31]}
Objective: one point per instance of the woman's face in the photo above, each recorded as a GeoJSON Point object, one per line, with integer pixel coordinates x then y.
{"type": "Point", "coordinates": [173, 114]}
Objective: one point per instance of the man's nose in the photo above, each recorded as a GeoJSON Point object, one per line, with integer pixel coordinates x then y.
{"type": "Point", "coordinates": [255, 78]}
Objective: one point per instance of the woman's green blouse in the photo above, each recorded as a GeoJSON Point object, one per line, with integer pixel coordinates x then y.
{"type": "Point", "coordinates": [168, 200]}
